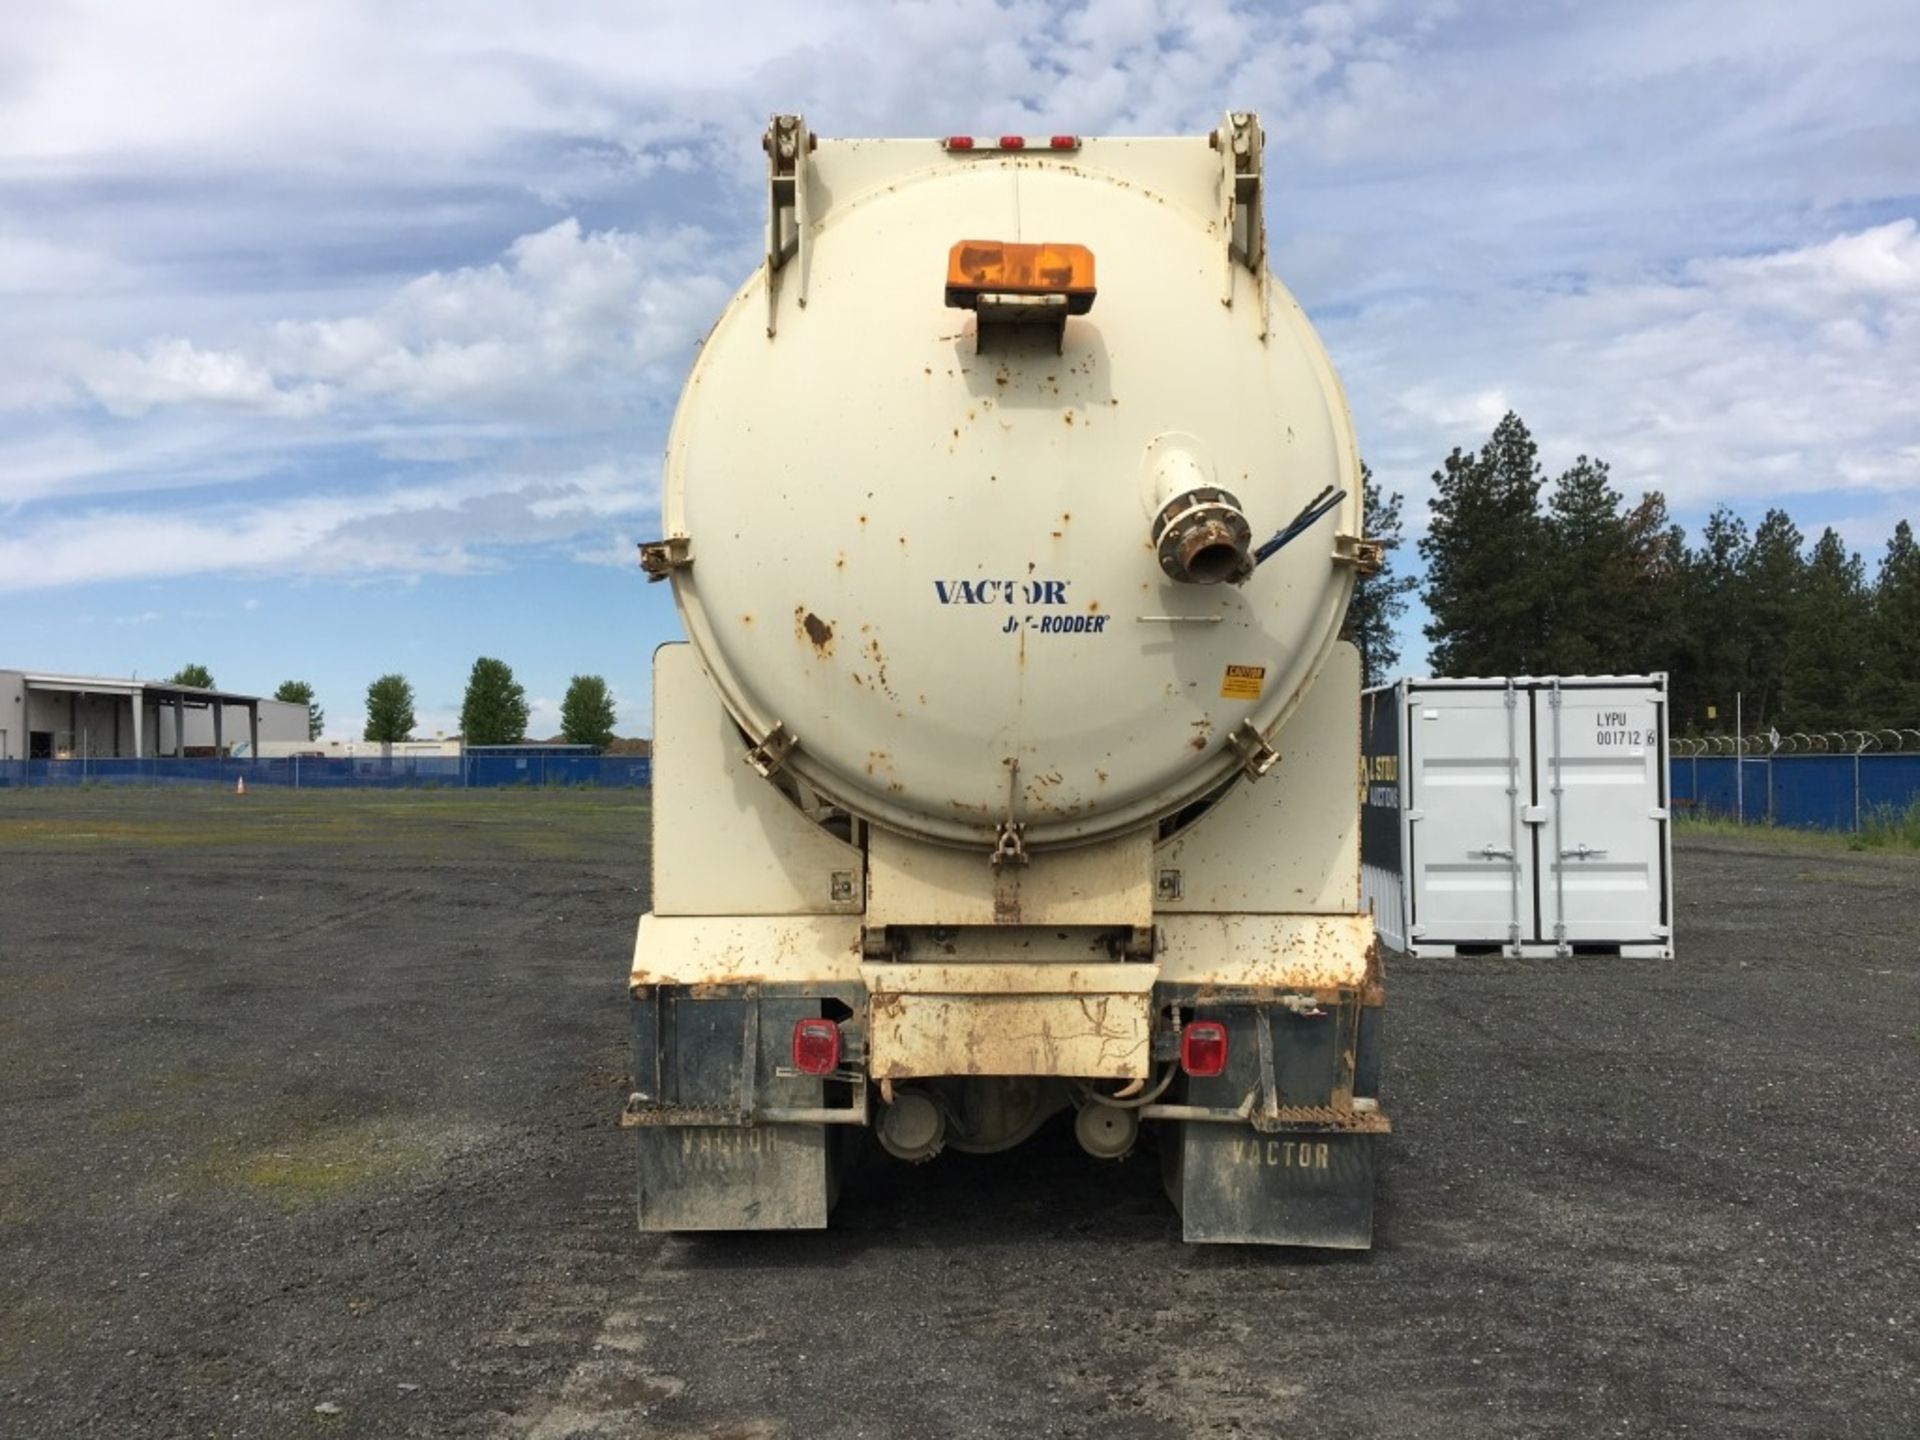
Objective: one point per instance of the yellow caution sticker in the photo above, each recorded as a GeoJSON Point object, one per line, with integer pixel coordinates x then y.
{"type": "Point", "coordinates": [1243, 682]}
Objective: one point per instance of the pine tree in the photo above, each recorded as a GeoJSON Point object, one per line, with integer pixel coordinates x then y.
{"type": "Point", "coordinates": [1715, 587]}
{"type": "Point", "coordinates": [1379, 600]}
{"type": "Point", "coordinates": [299, 692]}
{"type": "Point", "coordinates": [1825, 657]}
{"type": "Point", "coordinates": [587, 714]}
{"type": "Point", "coordinates": [1587, 556]}
{"type": "Point", "coordinates": [495, 709]}
{"type": "Point", "coordinates": [1890, 696]}
{"type": "Point", "coordinates": [390, 710]}
{"type": "Point", "coordinates": [1773, 574]}
{"type": "Point", "coordinates": [1658, 634]}
{"type": "Point", "coordinates": [1486, 586]}
{"type": "Point", "coordinates": [197, 676]}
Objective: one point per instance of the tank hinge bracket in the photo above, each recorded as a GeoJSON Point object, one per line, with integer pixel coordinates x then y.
{"type": "Point", "coordinates": [788, 143]}
{"type": "Point", "coordinates": [1243, 221]}
{"type": "Point", "coordinates": [771, 753]}
{"type": "Point", "coordinates": [1367, 557]}
{"type": "Point", "coordinates": [660, 558]}
{"type": "Point", "coordinates": [1257, 757]}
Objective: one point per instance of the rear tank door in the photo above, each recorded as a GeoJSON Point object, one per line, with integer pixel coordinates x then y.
{"type": "Point", "coordinates": [1470, 856]}
{"type": "Point", "coordinates": [1603, 851]}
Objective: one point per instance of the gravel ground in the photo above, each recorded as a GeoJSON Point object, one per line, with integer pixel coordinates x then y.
{"type": "Point", "coordinates": [309, 1129]}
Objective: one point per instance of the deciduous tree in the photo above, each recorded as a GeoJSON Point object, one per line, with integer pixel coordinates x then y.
{"type": "Point", "coordinates": [586, 714]}
{"type": "Point", "coordinates": [390, 710]}
{"type": "Point", "coordinates": [197, 676]}
{"type": "Point", "coordinates": [495, 709]}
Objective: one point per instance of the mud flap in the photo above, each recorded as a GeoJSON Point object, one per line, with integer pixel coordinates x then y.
{"type": "Point", "coordinates": [1305, 1175]}
{"type": "Point", "coordinates": [710, 1156]}
{"type": "Point", "coordinates": [1235, 1185]}
{"type": "Point", "coordinates": [734, 1177]}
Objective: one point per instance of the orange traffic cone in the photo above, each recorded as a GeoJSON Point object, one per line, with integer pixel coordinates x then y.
{"type": "Point", "coordinates": [240, 786]}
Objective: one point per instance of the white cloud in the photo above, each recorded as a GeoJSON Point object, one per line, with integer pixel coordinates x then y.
{"type": "Point", "coordinates": [364, 271]}
{"type": "Point", "coordinates": [31, 265]}
{"type": "Point", "coordinates": [177, 372]}
{"type": "Point", "coordinates": [450, 527]}
{"type": "Point", "coordinates": [564, 320]}
{"type": "Point", "coordinates": [543, 718]}
{"type": "Point", "coordinates": [1781, 374]}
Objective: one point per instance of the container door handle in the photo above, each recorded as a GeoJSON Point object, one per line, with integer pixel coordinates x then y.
{"type": "Point", "coordinates": [1582, 852]}
{"type": "Point", "coordinates": [1493, 852]}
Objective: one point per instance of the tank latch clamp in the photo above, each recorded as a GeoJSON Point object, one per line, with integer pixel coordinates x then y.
{"type": "Point", "coordinates": [1010, 844]}
{"type": "Point", "coordinates": [1257, 757]}
{"type": "Point", "coordinates": [660, 558]}
{"type": "Point", "coordinates": [771, 753]}
{"type": "Point", "coordinates": [1367, 557]}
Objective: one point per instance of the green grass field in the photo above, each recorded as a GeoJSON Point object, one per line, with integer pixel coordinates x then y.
{"type": "Point", "coordinates": [552, 824]}
{"type": "Point", "coordinates": [1891, 830]}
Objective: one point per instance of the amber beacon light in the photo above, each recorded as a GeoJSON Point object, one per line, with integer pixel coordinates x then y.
{"type": "Point", "coordinates": [977, 268]}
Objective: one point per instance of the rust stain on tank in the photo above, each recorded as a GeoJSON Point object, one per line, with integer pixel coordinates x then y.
{"type": "Point", "coordinates": [879, 659]}
{"type": "Point", "coordinates": [815, 631]}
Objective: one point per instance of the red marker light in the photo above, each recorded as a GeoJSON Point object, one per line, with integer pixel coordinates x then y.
{"type": "Point", "coordinates": [1203, 1048]}
{"type": "Point", "coordinates": [958, 142]}
{"type": "Point", "coordinates": [1013, 142]}
{"type": "Point", "coordinates": [816, 1046]}
{"type": "Point", "coordinates": [1065, 142]}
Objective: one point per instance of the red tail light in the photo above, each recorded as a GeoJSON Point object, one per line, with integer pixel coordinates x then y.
{"type": "Point", "coordinates": [1065, 142]}
{"type": "Point", "coordinates": [959, 142]}
{"type": "Point", "coordinates": [1013, 142]}
{"type": "Point", "coordinates": [816, 1046]}
{"type": "Point", "coordinates": [1203, 1048]}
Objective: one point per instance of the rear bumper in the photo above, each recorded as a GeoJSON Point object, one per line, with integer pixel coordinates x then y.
{"type": "Point", "coordinates": [1278, 1148]}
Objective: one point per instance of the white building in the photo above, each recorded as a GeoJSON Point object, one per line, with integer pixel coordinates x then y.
{"type": "Point", "coordinates": [70, 717]}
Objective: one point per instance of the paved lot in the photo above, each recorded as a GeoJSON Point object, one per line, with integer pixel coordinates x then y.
{"type": "Point", "coordinates": [309, 1101]}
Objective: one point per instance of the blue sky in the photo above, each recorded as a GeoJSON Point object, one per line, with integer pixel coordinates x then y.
{"type": "Point", "coordinates": [338, 338]}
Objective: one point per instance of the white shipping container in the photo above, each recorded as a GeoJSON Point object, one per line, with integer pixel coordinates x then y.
{"type": "Point", "coordinates": [1520, 816]}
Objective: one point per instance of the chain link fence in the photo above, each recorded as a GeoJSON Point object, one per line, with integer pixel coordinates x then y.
{"type": "Point", "coordinates": [1845, 787]}
{"type": "Point", "coordinates": [361, 772]}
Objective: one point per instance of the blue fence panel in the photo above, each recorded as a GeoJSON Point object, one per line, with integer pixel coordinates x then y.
{"type": "Point", "coordinates": [338, 772]}
{"type": "Point", "coordinates": [1889, 783]}
{"type": "Point", "coordinates": [1814, 790]}
{"type": "Point", "coordinates": [1830, 792]}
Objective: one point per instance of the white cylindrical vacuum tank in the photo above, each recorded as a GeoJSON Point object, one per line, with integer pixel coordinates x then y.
{"type": "Point", "coordinates": [979, 578]}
